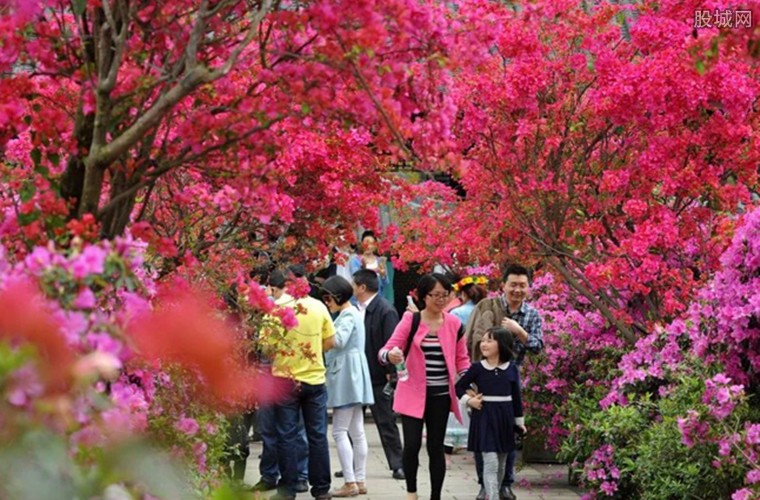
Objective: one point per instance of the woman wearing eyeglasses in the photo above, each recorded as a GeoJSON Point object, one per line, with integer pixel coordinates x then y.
{"type": "Point", "coordinates": [348, 385]}
{"type": "Point", "coordinates": [434, 359]}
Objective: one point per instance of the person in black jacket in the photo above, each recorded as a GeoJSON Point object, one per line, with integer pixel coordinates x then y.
{"type": "Point", "coordinates": [380, 319]}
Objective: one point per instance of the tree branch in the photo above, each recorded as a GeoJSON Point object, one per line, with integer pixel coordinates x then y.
{"type": "Point", "coordinates": [102, 154]}
{"type": "Point", "coordinates": [365, 85]}
{"type": "Point", "coordinates": [605, 311]}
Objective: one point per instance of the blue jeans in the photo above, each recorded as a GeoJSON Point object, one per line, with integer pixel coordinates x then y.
{"type": "Point", "coordinates": [309, 401]}
{"type": "Point", "coordinates": [268, 464]}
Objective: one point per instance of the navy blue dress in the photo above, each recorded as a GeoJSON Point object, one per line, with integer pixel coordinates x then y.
{"type": "Point", "coordinates": [492, 428]}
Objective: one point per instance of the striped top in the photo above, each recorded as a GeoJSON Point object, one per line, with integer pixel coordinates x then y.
{"type": "Point", "coordinates": [435, 365]}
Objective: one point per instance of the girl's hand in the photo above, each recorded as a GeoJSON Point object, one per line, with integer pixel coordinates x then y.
{"type": "Point", "coordinates": [522, 429]}
{"type": "Point", "coordinates": [475, 402]}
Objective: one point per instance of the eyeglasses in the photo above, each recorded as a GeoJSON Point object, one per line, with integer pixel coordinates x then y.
{"type": "Point", "coordinates": [438, 296]}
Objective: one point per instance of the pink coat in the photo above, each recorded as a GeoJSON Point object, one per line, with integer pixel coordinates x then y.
{"type": "Point", "coordinates": [409, 398]}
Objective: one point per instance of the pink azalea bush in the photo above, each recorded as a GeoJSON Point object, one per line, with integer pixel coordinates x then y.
{"type": "Point", "coordinates": [580, 349]}
{"type": "Point", "coordinates": [73, 367]}
{"type": "Point", "coordinates": [693, 385]}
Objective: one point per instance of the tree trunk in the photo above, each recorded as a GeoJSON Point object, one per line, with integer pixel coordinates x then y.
{"type": "Point", "coordinates": [115, 221]}
{"type": "Point", "coordinates": [72, 180]}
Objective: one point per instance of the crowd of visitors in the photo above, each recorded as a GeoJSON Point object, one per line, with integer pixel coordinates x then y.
{"type": "Point", "coordinates": [454, 353]}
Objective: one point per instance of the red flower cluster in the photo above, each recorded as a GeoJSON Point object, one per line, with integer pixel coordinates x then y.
{"type": "Point", "coordinates": [23, 319]}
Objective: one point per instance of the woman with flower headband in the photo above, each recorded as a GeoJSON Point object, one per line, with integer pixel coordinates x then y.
{"type": "Point", "coordinates": [470, 290]}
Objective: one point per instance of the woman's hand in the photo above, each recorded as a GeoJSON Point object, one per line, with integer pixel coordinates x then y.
{"type": "Point", "coordinates": [395, 356]}
{"type": "Point", "coordinates": [411, 306]}
{"type": "Point", "coordinates": [475, 402]}
{"type": "Point", "coordinates": [522, 429]}
{"type": "Point", "coordinates": [381, 266]}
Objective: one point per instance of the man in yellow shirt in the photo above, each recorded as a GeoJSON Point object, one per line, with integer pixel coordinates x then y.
{"type": "Point", "coordinates": [297, 356]}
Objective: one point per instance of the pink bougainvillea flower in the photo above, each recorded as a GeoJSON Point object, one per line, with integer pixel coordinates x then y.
{"type": "Point", "coordinates": [85, 299]}
{"type": "Point", "coordinates": [753, 476]}
{"type": "Point", "coordinates": [287, 316]}
{"type": "Point", "coordinates": [188, 425]}
{"type": "Point", "coordinates": [753, 434]}
{"type": "Point", "coordinates": [92, 260]}
{"type": "Point", "coordinates": [298, 287]}
{"type": "Point", "coordinates": [743, 494]}
{"type": "Point", "coordinates": [199, 450]}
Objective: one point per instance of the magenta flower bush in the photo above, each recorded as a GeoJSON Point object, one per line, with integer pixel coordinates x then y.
{"type": "Point", "coordinates": [579, 352]}
{"type": "Point", "coordinates": [70, 371]}
{"type": "Point", "coordinates": [695, 384]}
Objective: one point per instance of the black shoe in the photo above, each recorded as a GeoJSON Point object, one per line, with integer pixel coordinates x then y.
{"type": "Point", "coordinates": [338, 473]}
{"type": "Point", "coordinates": [399, 474]}
{"type": "Point", "coordinates": [264, 486]}
{"type": "Point", "coordinates": [481, 494]}
{"type": "Point", "coordinates": [302, 486]}
{"type": "Point", "coordinates": [324, 496]}
{"type": "Point", "coordinates": [505, 493]}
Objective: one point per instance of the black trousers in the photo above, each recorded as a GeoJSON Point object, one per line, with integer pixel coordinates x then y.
{"type": "Point", "coordinates": [435, 418]}
{"type": "Point", "coordinates": [385, 420]}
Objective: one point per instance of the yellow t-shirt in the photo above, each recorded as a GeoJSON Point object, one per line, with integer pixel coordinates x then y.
{"type": "Point", "coordinates": [301, 357]}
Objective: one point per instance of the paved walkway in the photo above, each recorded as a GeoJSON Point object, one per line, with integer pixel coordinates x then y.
{"type": "Point", "coordinates": [536, 481]}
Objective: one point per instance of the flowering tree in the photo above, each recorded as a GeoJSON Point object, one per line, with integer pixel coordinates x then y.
{"type": "Point", "coordinates": [686, 393]}
{"type": "Point", "coordinates": [613, 145]}
{"type": "Point", "coordinates": [606, 149]}
{"type": "Point", "coordinates": [204, 121]}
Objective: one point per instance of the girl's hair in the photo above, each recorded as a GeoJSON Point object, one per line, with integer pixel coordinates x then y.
{"type": "Point", "coordinates": [504, 340]}
{"type": "Point", "coordinates": [338, 288]}
{"type": "Point", "coordinates": [428, 282]}
{"type": "Point", "coordinates": [475, 293]}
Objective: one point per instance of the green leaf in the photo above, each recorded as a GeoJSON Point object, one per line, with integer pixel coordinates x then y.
{"type": "Point", "coordinates": [27, 191]}
{"type": "Point", "coordinates": [590, 62]}
{"type": "Point", "coordinates": [625, 29]}
{"type": "Point", "coordinates": [26, 219]}
{"type": "Point", "coordinates": [54, 158]}
{"type": "Point", "coordinates": [36, 155]}
{"type": "Point", "coordinates": [78, 6]}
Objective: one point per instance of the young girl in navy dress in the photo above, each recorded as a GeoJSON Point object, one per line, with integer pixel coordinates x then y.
{"type": "Point", "coordinates": [496, 405]}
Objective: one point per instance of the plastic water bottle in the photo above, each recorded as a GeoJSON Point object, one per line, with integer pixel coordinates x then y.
{"type": "Point", "coordinates": [401, 372]}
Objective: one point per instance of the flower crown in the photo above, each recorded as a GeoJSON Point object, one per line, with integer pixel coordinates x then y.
{"type": "Point", "coordinates": [470, 280]}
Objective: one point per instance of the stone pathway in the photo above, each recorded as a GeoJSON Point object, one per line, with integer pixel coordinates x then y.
{"type": "Point", "coordinates": [535, 481]}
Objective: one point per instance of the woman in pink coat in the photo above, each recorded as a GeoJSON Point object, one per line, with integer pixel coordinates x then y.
{"type": "Point", "coordinates": [436, 357]}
